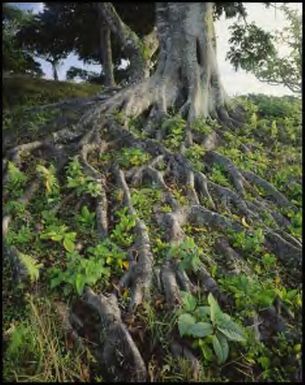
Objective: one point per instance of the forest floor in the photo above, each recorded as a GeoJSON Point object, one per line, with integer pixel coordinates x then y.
{"type": "Point", "coordinates": [55, 248]}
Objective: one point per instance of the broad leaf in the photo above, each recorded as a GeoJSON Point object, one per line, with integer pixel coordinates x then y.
{"type": "Point", "coordinates": [69, 245]}
{"type": "Point", "coordinates": [201, 329]}
{"type": "Point", "coordinates": [189, 302]}
{"type": "Point", "coordinates": [185, 321]}
{"type": "Point", "coordinates": [221, 348]}
{"type": "Point", "coordinates": [214, 309]}
{"type": "Point", "coordinates": [232, 331]}
{"type": "Point", "coordinates": [203, 311]}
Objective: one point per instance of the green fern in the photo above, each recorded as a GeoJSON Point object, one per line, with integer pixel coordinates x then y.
{"type": "Point", "coordinates": [31, 266]}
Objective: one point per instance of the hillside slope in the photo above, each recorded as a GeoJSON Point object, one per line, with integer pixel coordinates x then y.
{"type": "Point", "coordinates": [220, 240]}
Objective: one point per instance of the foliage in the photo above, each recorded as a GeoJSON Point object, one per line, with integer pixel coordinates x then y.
{"type": "Point", "coordinates": [16, 60]}
{"type": "Point", "coordinates": [218, 175]}
{"type": "Point", "coordinates": [174, 129]}
{"type": "Point", "coordinates": [50, 179]}
{"type": "Point", "coordinates": [254, 50]}
{"type": "Point", "coordinates": [79, 181]}
{"type": "Point", "coordinates": [132, 157]}
{"type": "Point", "coordinates": [79, 272]}
{"type": "Point", "coordinates": [188, 252]}
{"type": "Point", "coordinates": [88, 76]}
{"type": "Point", "coordinates": [194, 154]}
{"type": "Point", "coordinates": [210, 326]}
{"type": "Point", "coordinates": [16, 179]}
{"type": "Point", "coordinates": [248, 242]}
{"type": "Point", "coordinates": [86, 219]}
{"type": "Point", "coordinates": [59, 233]}
{"type": "Point", "coordinates": [110, 253]}
{"type": "Point", "coordinates": [250, 293]}
{"type": "Point", "coordinates": [37, 350]}
{"type": "Point", "coordinates": [144, 199]}
{"type": "Point", "coordinates": [121, 232]}
{"type": "Point", "coordinates": [31, 266]}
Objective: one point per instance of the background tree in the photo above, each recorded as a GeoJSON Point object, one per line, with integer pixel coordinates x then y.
{"type": "Point", "coordinates": [16, 59]}
{"type": "Point", "coordinates": [47, 37]}
{"type": "Point", "coordinates": [260, 53]}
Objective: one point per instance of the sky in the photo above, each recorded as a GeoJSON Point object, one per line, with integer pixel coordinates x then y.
{"type": "Point", "coordinates": [235, 83]}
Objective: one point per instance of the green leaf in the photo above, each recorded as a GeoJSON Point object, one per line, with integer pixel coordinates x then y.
{"type": "Point", "coordinates": [214, 308]}
{"type": "Point", "coordinates": [79, 284]}
{"type": "Point", "coordinates": [31, 265]}
{"type": "Point", "coordinates": [206, 350]}
{"type": "Point", "coordinates": [232, 331]}
{"type": "Point", "coordinates": [69, 245]}
{"type": "Point", "coordinates": [201, 329]}
{"type": "Point", "coordinates": [203, 311]}
{"type": "Point", "coordinates": [185, 321]}
{"type": "Point", "coordinates": [189, 301]}
{"type": "Point", "coordinates": [221, 348]}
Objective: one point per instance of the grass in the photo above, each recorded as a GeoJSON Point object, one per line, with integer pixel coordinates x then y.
{"type": "Point", "coordinates": [22, 90]}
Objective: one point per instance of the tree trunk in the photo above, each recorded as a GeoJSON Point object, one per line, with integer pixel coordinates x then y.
{"type": "Point", "coordinates": [188, 57]}
{"type": "Point", "coordinates": [129, 41]}
{"type": "Point", "coordinates": [106, 51]}
{"type": "Point", "coordinates": [54, 69]}
{"type": "Point", "coordinates": [187, 77]}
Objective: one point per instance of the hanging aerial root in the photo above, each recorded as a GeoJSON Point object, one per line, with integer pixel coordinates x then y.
{"type": "Point", "coordinates": [120, 354]}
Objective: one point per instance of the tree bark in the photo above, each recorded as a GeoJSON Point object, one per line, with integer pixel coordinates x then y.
{"type": "Point", "coordinates": [129, 41]}
{"type": "Point", "coordinates": [106, 51]}
{"type": "Point", "coordinates": [188, 56]}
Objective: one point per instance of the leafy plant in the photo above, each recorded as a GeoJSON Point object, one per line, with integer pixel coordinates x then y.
{"type": "Point", "coordinates": [16, 179]}
{"type": "Point", "coordinates": [121, 233]}
{"type": "Point", "coordinates": [144, 199]}
{"type": "Point", "coordinates": [248, 292]}
{"type": "Point", "coordinates": [132, 157]}
{"type": "Point", "coordinates": [86, 218]}
{"type": "Point", "coordinates": [80, 182]}
{"type": "Point", "coordinates": [204, 127]}
{"type": "Point", "coordinates": [79, 272]}
{"type": "Point", "coordinates": [110, 253]}
{"type": "Point", "coordinates": [210, 323]}
{"type": "Point", "coordinates": [218, 176]}
{"type": "Point", "coordinates": [21, 237]}
{"type": "Point", "coordinates": [49, 177]}
{"type": "Point", "coordinates": [174, 129]}
{"type": "Point", "coordinates": [194, 154]}
{"type": "Point", "coordinates": [251, 243]}
{"type": "Point", "coordinates": [31, 265]}
{"type": "Point", "coordinates": [189, 254]}
{"type": "Point", "coordinates": [59, 233]}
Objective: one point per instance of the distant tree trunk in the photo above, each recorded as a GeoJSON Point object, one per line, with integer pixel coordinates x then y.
{"type": "Point", "coordinates": [129, 41]}
{"type": "Point", "coordinates": [54, 64]}
{"type": "Point", "coordinates": [106, 55]}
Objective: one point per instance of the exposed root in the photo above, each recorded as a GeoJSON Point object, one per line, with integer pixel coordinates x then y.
{"type": "Point", "coordinates": [274, 194]}
{"type": "Point", "coordinates": [170, 286]}
{"type": "Point", "coordinates": [120, 355]}
{"type": "Point", "coordinates": [236, 176]}
{"type": "Point", "coordinates": [142, 270]}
